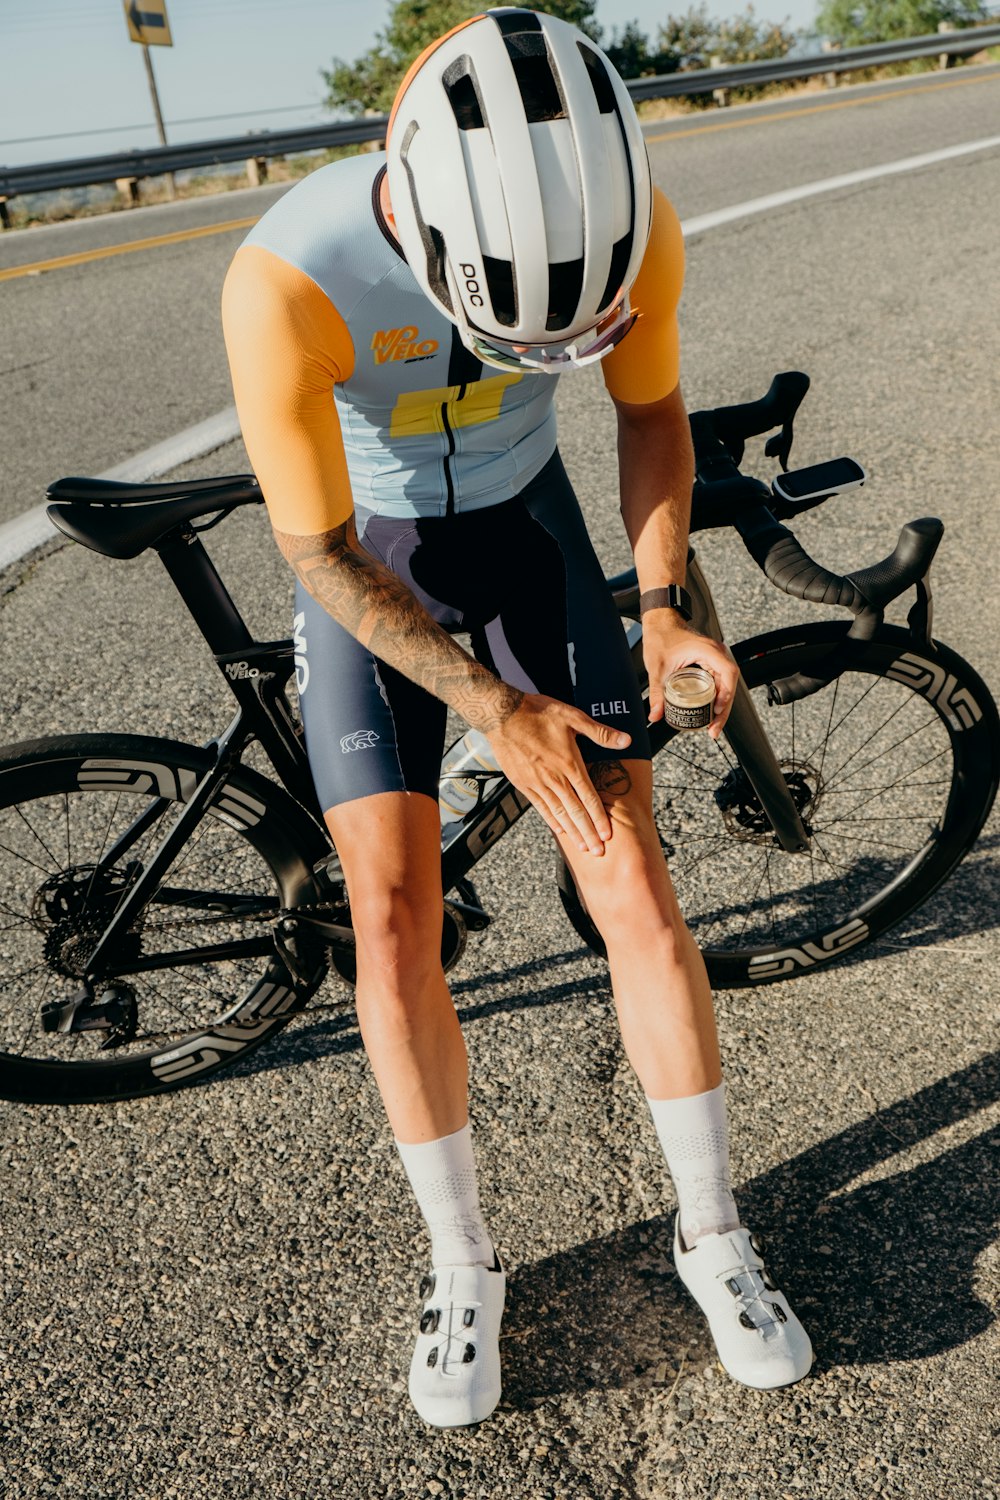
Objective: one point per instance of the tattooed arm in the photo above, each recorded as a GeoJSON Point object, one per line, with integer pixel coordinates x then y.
{"type": "Point", "coordinates": [533, 737]}
{"type": "Point", "coordinates": [362, 594]}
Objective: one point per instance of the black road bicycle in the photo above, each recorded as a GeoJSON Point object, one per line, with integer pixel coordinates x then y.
{"type": "Point", "coordinates": [164, 907]}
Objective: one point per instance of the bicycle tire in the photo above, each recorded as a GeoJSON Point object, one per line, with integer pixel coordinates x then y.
{"type": "Point", "coordinates": [63, 802]}
{"type": "Point", "coordinates": [922, 719]}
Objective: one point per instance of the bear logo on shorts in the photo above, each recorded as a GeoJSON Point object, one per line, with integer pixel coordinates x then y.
{"type": "Point", "coordinates": [360, 739]}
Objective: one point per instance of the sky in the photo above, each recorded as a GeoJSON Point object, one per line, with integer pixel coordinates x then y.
{"type": "Point", "coordinates": [74, 85]}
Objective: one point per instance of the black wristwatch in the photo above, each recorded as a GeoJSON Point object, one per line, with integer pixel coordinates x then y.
{"type": "Point", "coordinates": [672, 597]}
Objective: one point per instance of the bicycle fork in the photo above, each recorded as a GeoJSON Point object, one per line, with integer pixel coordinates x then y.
{"type": "Point", "coordinates": [746, 734]}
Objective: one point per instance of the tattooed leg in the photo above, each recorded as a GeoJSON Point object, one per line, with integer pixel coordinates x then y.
{"type": "Point", "coordinates": [611, 779]}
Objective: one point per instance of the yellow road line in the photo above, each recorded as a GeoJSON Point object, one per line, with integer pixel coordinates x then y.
{"type": "Point", "coordinates": [819, 109]}
{"type": "Point", "coordinates": [62, 262]}
{"type": "Point", "coordinates": [83, 256]}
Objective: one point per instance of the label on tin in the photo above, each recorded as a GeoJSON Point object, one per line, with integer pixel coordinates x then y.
{"type": "Point", "coordinates": [688, 698]}
{"type": "Point", "coordinates": [687, 718]}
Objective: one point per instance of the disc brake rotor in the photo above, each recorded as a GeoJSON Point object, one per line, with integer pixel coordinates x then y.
{"type": "Point", "coordinates": [741, 809]}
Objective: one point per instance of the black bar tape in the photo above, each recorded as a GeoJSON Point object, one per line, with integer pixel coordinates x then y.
{"type": "Point", "coordinates": [789, 567]}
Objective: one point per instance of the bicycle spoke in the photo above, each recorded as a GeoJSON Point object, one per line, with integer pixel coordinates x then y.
{"type": "Point", "coordinates": [24, 860]}
{"type": "Point", "coordinates": [166, 1001]}
{"type": "Point", "coordinates": [833, 863]}
{"type": "Point", "coordinates": [54, 863]}
{"type": "Point", "coordinates": [750, 903]}
{"type": "Point", "coordinates": [826, 737]}
{"type": "Point", "coordinates": [831, 728]}
{"type": "Point", "coordinates": [874, 838]}
{"type": "Point", "coordinates": [889, 788]}
{"type": "Point", "coordinates": [812, 884]}
{"type": "Point", "coordinates": [686, 760]}
{"type": "Point", "coordinates": [104, 845]}
{"type": "Point", "coordinates": [882, 754]}
{"type": "Point", "coordinates": [23, 917]}
{"type": "Point", "coordinates": [770, 889]}
{"type": "Point", "coordinates": [851, 790]}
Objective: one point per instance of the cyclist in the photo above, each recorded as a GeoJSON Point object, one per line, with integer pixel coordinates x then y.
{"type": "Point", "coordinates": [394, 326]}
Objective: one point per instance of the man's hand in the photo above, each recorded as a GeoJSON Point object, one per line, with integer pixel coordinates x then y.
{"type": "Point", "coordinates": [668, 645]}
{"type": "Point", "coordinates": [536, 748]}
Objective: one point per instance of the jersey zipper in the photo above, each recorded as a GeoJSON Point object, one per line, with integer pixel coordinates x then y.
{"type": "Point", "coordinates": [449, 433]}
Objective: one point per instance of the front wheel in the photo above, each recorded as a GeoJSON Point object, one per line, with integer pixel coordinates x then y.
{"type": "Point", "coordinates": [893, 768]}
{"type": "Point", "coordinates": [196, 981]}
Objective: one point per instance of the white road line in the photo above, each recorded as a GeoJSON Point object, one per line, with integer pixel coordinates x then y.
{"type": "Point", "coordinates": [34, 529]}
{"type": "Point", "coordinates": [702, 222]}
{"type": "Point", "coordinates": [31, 530]}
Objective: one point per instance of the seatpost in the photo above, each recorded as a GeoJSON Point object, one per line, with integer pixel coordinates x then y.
{"type": "Point", "coordinates": [195, 578]}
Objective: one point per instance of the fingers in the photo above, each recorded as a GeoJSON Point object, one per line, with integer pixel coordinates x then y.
{"type": "Point", "coordinates": [586, 815]}
{"type": "Point", "coordinates": [601, 734]}
{"type": "Point", "coordinates": [568, 818]}
{"type": "Point", "coordinates": [726, 674]}
{"type": "Point", "coordinates": [543, 760]}
{"type": "Point", "coordinates": [552, 820]}
{"type": "Point", "coordinates": [715, 657]}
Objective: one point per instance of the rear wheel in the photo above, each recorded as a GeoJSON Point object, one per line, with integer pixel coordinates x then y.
{"type": "Point", "coordinates": [893, 768]}
{"type": "Point", "coordinates": [197, 980]}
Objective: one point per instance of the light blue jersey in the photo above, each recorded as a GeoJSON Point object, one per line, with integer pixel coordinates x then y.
{"type": "Point", "coordinates": [427, 429]}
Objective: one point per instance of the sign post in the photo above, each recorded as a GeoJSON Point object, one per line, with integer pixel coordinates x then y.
{"type": "Point", "coordinates": [148, 25]}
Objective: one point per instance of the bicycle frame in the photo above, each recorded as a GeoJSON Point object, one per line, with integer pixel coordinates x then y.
{"type": "Point", "coordinates": [745, 732]}
{"type": "Point", "coordinates": [257, 674]}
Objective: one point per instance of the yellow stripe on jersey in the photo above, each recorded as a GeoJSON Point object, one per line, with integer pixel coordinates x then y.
{"type": "Point", "coordinates": [420, 412]}
{"type": "Point", "coordinates": [646, 365]}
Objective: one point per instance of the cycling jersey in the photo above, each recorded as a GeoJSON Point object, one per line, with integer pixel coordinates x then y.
{"type": "Point", "coordinates": [352, 388]}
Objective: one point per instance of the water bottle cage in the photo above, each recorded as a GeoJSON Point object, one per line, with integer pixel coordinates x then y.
{"type": "Point", "coordinates": [482, 778]}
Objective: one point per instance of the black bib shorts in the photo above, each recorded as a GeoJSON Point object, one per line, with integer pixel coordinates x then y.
{"type": "Point", "coordinates": [522, 579]}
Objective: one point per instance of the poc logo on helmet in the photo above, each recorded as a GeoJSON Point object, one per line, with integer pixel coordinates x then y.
{"type": "Point", "coordinates": [471, 284]}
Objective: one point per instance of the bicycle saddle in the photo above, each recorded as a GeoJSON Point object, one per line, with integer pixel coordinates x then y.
{"type": "Point", "coordinates": [122, 520]}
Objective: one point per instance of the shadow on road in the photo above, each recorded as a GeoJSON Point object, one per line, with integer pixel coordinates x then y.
{"type": "Point", "coordinates": [881, 1271]}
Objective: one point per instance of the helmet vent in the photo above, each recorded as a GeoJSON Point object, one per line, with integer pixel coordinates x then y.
{"type": "Point", "coordinates": [431, 238]}
{"type": "Point", "coordinates": [460, 85]}
{"type": "Point", "coordinates": [500, 280]}
{"type": "Point", "coordinates": [620, 256]}
{"type": "Point", "coordinates": [434, 246]}
{"type": "Point", "coordinates": [529, 57]}
{"type": "Point", "coordinates": [603, 88]}
{"type": "Point", "coordinates": [565, 287]}
{"type": "Point", "coordinates": [513, 20]}
{"type": "Point", "coordinates": [537, 82]}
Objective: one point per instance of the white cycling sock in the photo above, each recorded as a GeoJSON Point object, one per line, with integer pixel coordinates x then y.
{"type": "Point", "coordinates": [442, 1175]}
{"type": "Point", "coordinates": [694, 1135]}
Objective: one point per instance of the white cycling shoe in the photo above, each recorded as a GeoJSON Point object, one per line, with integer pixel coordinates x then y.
{"type": "Point", "coordinates": [760, 1341]}
{"type": "Point", "coordinates": [455, 1370]}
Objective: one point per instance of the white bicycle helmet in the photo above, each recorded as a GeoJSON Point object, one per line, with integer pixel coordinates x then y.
{"type": "Point", "coordinates": [520, 189]}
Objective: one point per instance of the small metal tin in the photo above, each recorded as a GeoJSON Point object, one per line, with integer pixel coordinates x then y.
{"type": "Point", "coordinates": [688, 698]}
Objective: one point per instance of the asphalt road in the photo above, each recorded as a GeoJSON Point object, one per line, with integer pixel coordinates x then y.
{"type": "Point", "coordinates": [212, 1294]}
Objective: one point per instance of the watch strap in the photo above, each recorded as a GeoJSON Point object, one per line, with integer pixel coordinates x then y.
{"type": "Point", "coordinates": [672, 597]}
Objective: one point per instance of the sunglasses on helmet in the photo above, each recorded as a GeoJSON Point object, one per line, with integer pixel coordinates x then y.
{"type": "Point", "coordinates": [552, 358]}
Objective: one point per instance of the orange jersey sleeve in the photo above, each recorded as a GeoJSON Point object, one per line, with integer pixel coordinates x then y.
{"type": "Point", "coordinates": [287, 346]}
{"type": "Point", "coordinates": [645, 366]}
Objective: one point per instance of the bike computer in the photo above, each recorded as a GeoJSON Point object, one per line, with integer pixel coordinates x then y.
{"type": "Point", "coordinates": [831, 478]}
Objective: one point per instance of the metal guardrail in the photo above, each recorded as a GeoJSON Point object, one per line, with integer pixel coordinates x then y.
{"type": "Point", "coordinates": [846, 60]}
{"type": "Point", "coordinates": [129, 167]}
